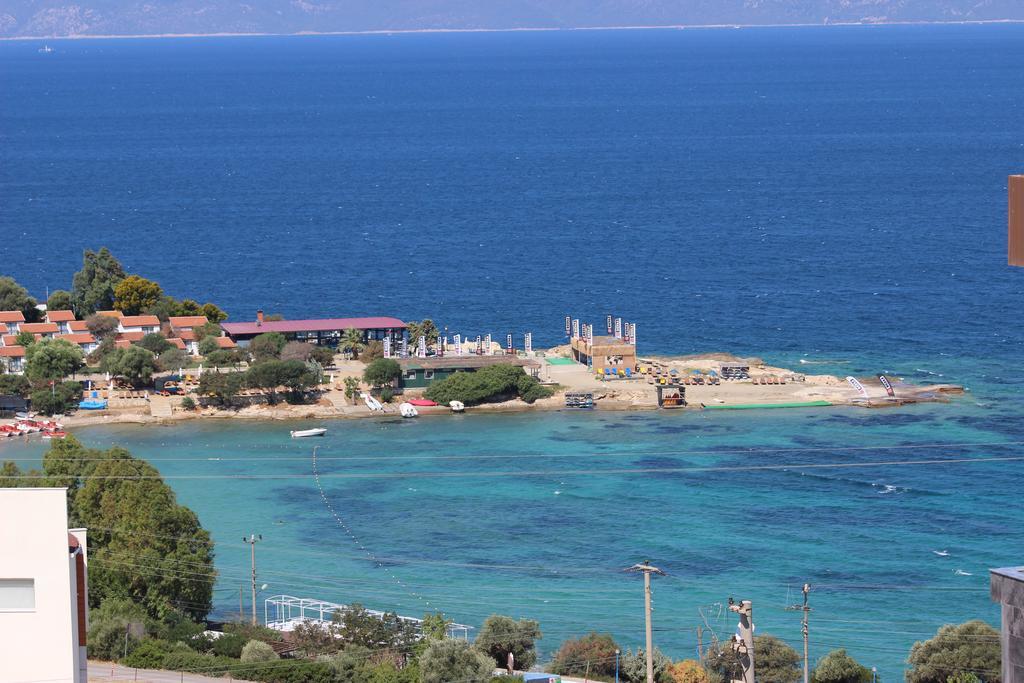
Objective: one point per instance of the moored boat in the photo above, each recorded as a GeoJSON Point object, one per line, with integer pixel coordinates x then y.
{"type": "Point", "coordinates": [407, 410]}
{"type": "Point", "coordinates": [457, 406]}
{"type": "Point", "coordinates": [302, 433]}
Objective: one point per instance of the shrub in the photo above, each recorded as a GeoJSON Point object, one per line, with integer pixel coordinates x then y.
{"type": "Point", "coordinates": [208, 345]}
{"type": "Point", "coordinates": [633, 666]}
{"type": "Point", "coordinates": [171, 359]}
{"type": "Point", "coordinates": [267, 346]}
{"type": "Point", "coordinates": [151, 653]}
{"type": "Point", "coordinates": [688, 671]}
{"type": "Point", "coordinates": [324, 355]}
{"type": "Point", "coordinates": [229, 645]}
{"type": "Point", "coordinates": [258, 651]}
{"type": "Point", "coordinates": [372, 352]}
{"type": "Point", "coordinates": [454, 660]}
{"type": "Point", "coordinates": [839, 667]}
{"type": "Point", "coordinates": [596, 648]}
{"type": "Point", "coordinates": [108, 624]}
{"type": "Point", "coordinates": [223, 358]}
{"type": "Point", "coordinates": [387, 395]}
{"type": "Point", "coordinates": [188, 403]}
{"type": "Point", "coordinates": [495, 383]}
{"type": "Point", "coordinates": [156, 343]}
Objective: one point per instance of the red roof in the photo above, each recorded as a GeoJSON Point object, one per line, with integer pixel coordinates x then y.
{"type": "Point", "coordinates": [40, 328]}
{"type": "Point", "coordinates": [79, 338]}
{"type": "Point", "coordinates": [60, 316]}
{"type": "Point", "coordinates": [12, 317]}
{"type": "Point", "coordinates": [140, 321]}
{"type": "Point", "coordinates": [187, 335]}
{"type": "Point", "coordinates": [111, 314]}
{"type": "Point", "coordinates": [78, 326]}
{"type": "Point", "coordinates": [122, 343]}
{"type": "Point", "coordinates": [187, 321]}
{"type": "Point", "coordinates": [325, 324]}
{"type": "Point", "coordinates": [177, 343]}
{"type": "Point", "coordinates": [9, 340]}
{"type": "Point", "coordinates": [129, 337]}
{"type": "Point", "coordinates": [12, 350]}
{"type": "Point", "coordinates": [226, 343]}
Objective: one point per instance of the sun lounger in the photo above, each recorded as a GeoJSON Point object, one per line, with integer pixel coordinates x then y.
{"type": "Point", "coordinates": [629, 373]}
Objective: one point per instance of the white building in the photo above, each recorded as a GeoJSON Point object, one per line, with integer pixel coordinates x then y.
{"type": "Point", "coordinates": [146, 324]}
{"type": "Point", "coordinates": [43, 588]}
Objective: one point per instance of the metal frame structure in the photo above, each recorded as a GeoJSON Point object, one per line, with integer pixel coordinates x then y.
{"type": "Point", "coordinates": [289, 611]}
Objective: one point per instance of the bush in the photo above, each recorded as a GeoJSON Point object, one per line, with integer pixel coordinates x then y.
{"type": "Point", "coordinates": [14, 385]}
{"type": "Point", "coordinates": [501, 635]}
{"type": "Point", "coordinates": [373, 351]}
{"type": "Point", "coordinates": [171, 360]}
{"type": "Point", "coordinates": [108, 624]}
{"type": "Point", "coordinates": [633, 666]}
{"type": "Point", "coordinates": [596, 648]}
{"type": "Point", "coordinates": [387, 395]}
{"type": "Point", "coordinates": [188, 403]}
{"type": "Point", "coordinates": [258, 651]}
{"type": "Point", "coordinates": [324, 355]}
{"type": "Point", "coordinates": [839, 667]}
{"type": "Point", "coordinates": [454, 660]}
{"type": "Point", "coordinates": [688, 671]}
{"type": "Point", "coordinates": [224, 358]}
{"type": "Point", "coordinates": [229, 645]}
{"type": "Point", "coordinates": [495, 383]}
{"type": "Point", "coordinates": [151, 653]}
{"type": "Point", "coordinates": [382, 372]}
{"type": "Point", "coordinates": [156, 343]}
{"type": "Point", "coordinates": [58, 399]}
{"type": "Point", "coordinates": [134, 363]}
{"type": "Point", "coordinates": [208, 345]}
{"type": "Point", "coordinates": [267, 346]}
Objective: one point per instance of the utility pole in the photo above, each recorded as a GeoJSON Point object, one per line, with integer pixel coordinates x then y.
{"type": "Point", "coordinates": [252, 541]}
{"type": "Point", "coordinates": [241, 609]}
{"type": "Point", "coordinates": [647, 570]}
{"type": "Point", "coordinates": [804, 628]}
{"type": "Point", "coordinates": [743, 639]}
{"type": "Point", "coordinates": [700, 644]}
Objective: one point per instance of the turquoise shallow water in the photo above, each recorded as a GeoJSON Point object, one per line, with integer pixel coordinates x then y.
{"type": "Point", "coordinates": [536, 514]}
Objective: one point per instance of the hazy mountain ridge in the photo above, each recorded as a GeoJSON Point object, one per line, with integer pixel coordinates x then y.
{"type": "Point", "coordinates": [143, 17]}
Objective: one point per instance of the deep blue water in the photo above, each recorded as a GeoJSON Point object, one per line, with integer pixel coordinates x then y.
{"type": "Point", "coordinates": [827, 194]}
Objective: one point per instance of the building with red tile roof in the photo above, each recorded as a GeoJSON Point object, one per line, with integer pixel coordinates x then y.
{"type": "Point", "coordinates": [178, 343]}
{"type": "Point", "coordinates": [11, 320]}
{"type": "Point", "coordinates": [226, 343]}
{"type": "Point", "coordinates": [45, 329]}
{"type": "Point", "coordinates": [60, 316]}
{"type": "Point", "coordinates": [83, 340]}
{"type": "Point", "coordinates": [130, 337]}
{"type": "Point", "coordinates": [13, 358]}
{"type": "Point", "coordinates": [187, 322]}
{"type": "Point", "coordinates": [78, 326]}
{"type": "Point", "coordinates": [111, 314]}
{"type": "Point", "coordinates": [147, 324]}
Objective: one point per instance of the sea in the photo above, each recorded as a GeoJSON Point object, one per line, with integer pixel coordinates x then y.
{"type": "Point", "coordinates": [830, 199]}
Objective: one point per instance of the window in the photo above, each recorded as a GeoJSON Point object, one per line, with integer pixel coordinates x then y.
{"type": "Point", "coordinates": [410, 374]}
{"type": "Point", "coordinates": [17, 595]}
{"type": "Point", "coordinates": [428, 374]}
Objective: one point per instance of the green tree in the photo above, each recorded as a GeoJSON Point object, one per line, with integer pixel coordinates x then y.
{"type": "Point", "coordinates": [425, 328]}
{"type": "Point", "coordinates": [258, 651]}
{"type": "Point", "coordinates": [14, 297]}
{"type": "Point", "coordinates": [171, 359]}
{"type": "Point", "coordinates": [224, 358]}
{"type": "Point", "coordinates": [51, 360]}
{"type": "Point", "coordinates": [594, 653]}
{"type": "Point", "coordinates": [188, 403]}
{"type": "Point", "coordinates": [134, 363]}
{"type": "Point", "coordinates": [213, 313]}
{"type": "Point", "coordinates": [435, 626]}
{"type": "Point", "coordinates": [372, 351]}
{"type": "Point", "coordinates": [139, 536]}
{"type": "Point", "coordinates": [93, 286]}
{"type": "Point", "coordinates": [59, 399]}
{"type": "Point", "coordinates": [60, 300]}
{"type": "Point", "coordinates": [270, 375]}
{"type": "Point", "coordinates": [499, 382]}
{"type": "Point", "coordinates": [454, 660]}
{"type": "Point", "coordinates": [134, 295]}
{"type": "Point", "coordinates": [775, 662]}
{"type": "Point", "coordinates": [351, 388]}
{"type": "Point", "coordinates": [105, 348]}
{"type": "Point", "coordinates": [633, 666]}
{"type": "Point", "coordinates": [25, 339]}
{"type": "Point", "coordinates": [500, 635]}
{"type": "Point", "coordinates": [155, 343]}
{"type": "Point", "coordinates": [14, 385]}
{"type": "Point", "coordinates": [352, 342]}
{"type": "Point", "coordinates": [207, 346]}
{"type": "Point", "coordinates": [267, 346]}
{"type": "Point", "coordinates": [839, 667]}
{"type": "Point", "coordinates": [968, 648]}
{"type": "Point", "coordinates": [382, 372]}
{"type": "Point", "coordinates": [207, 329]}
{"type": "Point", "coordinates": [221, 387]}
{"type": "Point", "coordinates": [356, 626]}
{"type": "Point", "coordinates": [109, 625]}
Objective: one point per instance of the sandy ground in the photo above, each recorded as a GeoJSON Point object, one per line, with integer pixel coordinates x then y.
{"type": "Point", "coordinates": [619, 394]}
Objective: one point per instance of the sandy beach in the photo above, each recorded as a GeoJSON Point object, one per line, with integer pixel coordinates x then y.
{"type": "Point", "coordinates": [638, 393]}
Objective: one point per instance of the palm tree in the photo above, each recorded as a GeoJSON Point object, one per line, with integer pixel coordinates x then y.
{"type": "Point", "coordinates": [352, 341]}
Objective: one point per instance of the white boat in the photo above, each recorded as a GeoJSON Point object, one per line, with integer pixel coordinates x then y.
{"type": "Point", "coordinates": [456, 406]}
{"type": "Point", "coordinates": [45, 50]}
{"type": "Point", "coordinates": [300, 433]}
{"type": "Point", "coordinates": [408, 410]}
{"type": "Point", "coordinates": [371, 402]}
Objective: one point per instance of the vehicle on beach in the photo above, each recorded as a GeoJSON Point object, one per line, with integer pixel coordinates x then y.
{"type": "Point", "coordinates": [407, 410]}
{"type": "Point", "coordinates": [303, 433]}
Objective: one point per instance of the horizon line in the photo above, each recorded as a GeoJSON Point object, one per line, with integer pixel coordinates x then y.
{"type": "Point", "coordinates": [384, 31]}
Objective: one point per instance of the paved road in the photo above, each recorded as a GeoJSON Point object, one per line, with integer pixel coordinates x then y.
{"type": "Point", "coordinates": [102, 672]}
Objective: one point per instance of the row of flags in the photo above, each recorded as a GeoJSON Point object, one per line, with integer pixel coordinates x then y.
{"type": "Point", "coordinates": [616, 327]}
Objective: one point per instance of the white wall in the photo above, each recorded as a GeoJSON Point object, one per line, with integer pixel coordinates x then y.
{"type": "Point", "coordinates": [37, 644]}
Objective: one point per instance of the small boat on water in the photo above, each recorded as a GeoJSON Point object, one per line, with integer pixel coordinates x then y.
{"type": "Point", "coordinates": [457, 406]}
{"type": "Point", "coordinates": [45, 50]}
{"type": "Point", "coordinates": [54, 434]}
{"type": "Point", "coordinates": [407, 410]}
{"type": "Point", "coordinates": [302, 433]}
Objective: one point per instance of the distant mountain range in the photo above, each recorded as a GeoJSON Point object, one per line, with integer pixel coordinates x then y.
{"type": "Point", "coordinates": [52, 18]}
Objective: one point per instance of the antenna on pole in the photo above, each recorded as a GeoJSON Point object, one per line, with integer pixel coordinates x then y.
{"type": "Point", "coordinates": [804, 628]}
{"type": "Point", "coordinates": [647, 570]}
{"type": "Point", "coordinates": [743, 639]}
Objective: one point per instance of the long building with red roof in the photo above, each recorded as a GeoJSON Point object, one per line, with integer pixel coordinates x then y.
{"type": "Point", "coordinates": [322, 331]}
